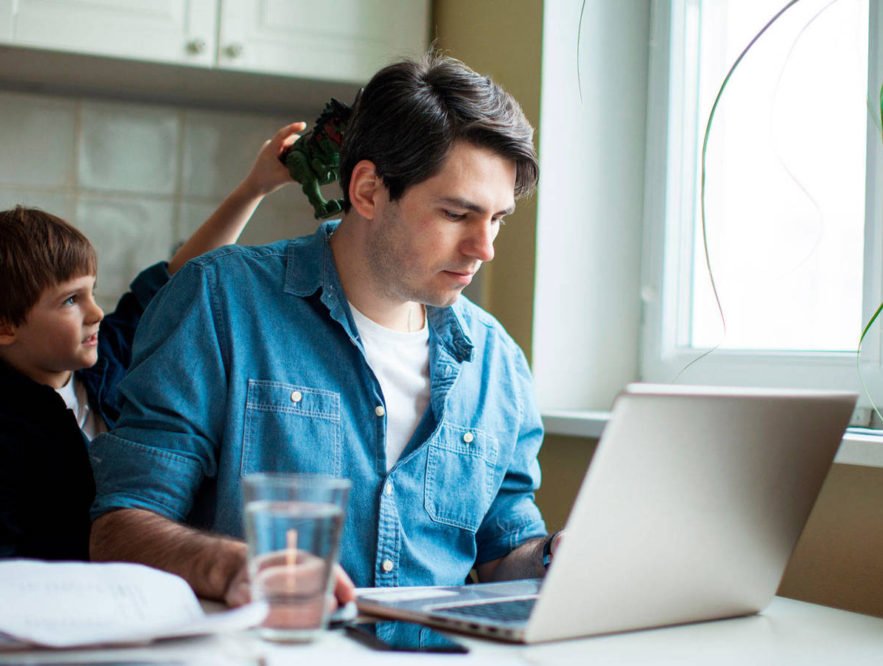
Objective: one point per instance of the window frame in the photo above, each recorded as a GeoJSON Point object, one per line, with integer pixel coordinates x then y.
{"type": "Point", "coordinates": [666, 289]}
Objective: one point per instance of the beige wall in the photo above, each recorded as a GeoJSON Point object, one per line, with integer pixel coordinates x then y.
{"type": "Point", "coordinates": [564, 461]}
{"type": "Point", "coordinates": [503, 39]}
{"type": "Point", "coordinates": [839, 559]}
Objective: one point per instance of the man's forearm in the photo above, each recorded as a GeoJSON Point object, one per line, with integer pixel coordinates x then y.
{"type": "Point", "coordinates": [526, 561]}
{"type": "Point", "coordinates": [207, 562]}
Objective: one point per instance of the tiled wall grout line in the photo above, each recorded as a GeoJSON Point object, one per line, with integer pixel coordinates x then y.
{"type": "Point", "coordinates": [113, 180]}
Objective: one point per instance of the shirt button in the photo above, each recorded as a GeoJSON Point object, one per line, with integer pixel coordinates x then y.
{"type": "Point", "coordinates": [468, 437]}
{"type": "Point", "coordinates": [388, 489]}
{"type": "Point", "coordinates": [379, 410]}
{"type": "Point", "coordinates": [296, 396]}
{"type": "Point", "coordinates": [387, 566]}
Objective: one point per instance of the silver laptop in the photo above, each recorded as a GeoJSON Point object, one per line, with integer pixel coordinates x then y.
{"type": "Point", "coordinates": [689, 511]}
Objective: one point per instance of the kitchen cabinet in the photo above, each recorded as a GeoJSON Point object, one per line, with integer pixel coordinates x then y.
{"type": "Point", "coordinates": [343, 40]}
{"type": "Point", "coordinates": [170, 31]}
{"type": "Point", "coordinates": [332, 40]}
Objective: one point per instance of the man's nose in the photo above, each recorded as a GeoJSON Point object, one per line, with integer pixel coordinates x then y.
{"type": "Point", "coordinates": [480, 244]}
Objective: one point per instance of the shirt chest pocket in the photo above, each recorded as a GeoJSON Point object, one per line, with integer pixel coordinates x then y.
{"type": "Point", "coordinates": [291, 428]}
{"type": "Point", "coordinates": [460, 476]}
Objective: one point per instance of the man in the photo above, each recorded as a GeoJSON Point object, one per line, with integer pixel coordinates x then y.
{"type": "Point", "coordinates": [350, 353]}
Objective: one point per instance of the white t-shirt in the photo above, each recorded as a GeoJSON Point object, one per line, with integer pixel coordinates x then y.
{"type": "Point", "coordinates": [400, 361]}
{"type": "Point", "coordinates": [74, 395]}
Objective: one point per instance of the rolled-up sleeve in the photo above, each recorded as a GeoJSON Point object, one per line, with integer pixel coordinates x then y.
{"type": "Point", "coordinates": [514, 517]}
{"type": "Point", "coordinates": [173, 402]}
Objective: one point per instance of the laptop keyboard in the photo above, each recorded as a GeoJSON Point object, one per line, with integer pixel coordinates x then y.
{"type": "Point", "coordinates": [510, 610]}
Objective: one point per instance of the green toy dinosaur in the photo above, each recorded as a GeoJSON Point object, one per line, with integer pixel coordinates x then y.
{"type": "Point", "coordinates": [314, 159]}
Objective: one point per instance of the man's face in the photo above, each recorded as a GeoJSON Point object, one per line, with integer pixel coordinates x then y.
{"type": "Point", "coordinates": [59, 335]}
{"type": "Point", "coordinates": [427, 246]}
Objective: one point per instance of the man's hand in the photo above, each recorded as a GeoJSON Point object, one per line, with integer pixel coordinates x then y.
{"type": "Point", "coordinates": [239, 590]}
{"type": "Point", "coordinates": [344, 589]}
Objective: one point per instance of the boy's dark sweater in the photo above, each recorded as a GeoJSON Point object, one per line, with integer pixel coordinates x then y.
{"type": "Point", "coordinates": [46, 483]}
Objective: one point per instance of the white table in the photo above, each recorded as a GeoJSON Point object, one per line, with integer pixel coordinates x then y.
{"type": "Point", "coordinates": [788, 633]}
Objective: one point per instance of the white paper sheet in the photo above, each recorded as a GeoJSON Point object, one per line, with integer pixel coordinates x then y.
{"type": "Point", "coordinates": [67, 604]}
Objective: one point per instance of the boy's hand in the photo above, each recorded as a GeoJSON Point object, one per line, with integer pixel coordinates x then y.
{"type": "Point", "coordinates": [267, 173]}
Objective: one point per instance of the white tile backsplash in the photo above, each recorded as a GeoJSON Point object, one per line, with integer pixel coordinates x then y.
{"type": "Point", "coordinates": [61, 204]}
{"type": "Point", "coordinates": [37, 138]}
{"type": "Point", "coordinates": [219, 148]}
{"type": "Point", "coordinates": [128, 148]}
{"type": "Point", "coordinates": [284, 214]}
{"type": "Point", "coordinates": [129, 234]}
{"type": "Point", "coordinates": [190, 215]}
{"type": "Point", "coordinates": [136, 179]}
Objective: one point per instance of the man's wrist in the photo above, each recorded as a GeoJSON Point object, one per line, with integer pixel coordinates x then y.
{"type": "Point", "coordinates": [547, 550]}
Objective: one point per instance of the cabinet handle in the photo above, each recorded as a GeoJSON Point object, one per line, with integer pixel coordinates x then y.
{"type": "Point", "coordinates": [195, 46]}
{"type": "Point", "coordinates": [233, 50]}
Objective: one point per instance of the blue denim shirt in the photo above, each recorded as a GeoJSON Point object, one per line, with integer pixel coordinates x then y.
{"type": "Point", "coordinates": [208, 399]}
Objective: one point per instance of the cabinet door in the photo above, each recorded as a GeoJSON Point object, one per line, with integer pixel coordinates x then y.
{"type": "Point", "coordinates": [340, 40]}
{"type": "Point", "coordinates": [179, 31]}
{"type": "Point", "coordinates": [5, 21]}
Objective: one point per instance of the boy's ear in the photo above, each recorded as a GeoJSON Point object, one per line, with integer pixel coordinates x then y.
{"type": "Point", "coordinates": [365, 185]}
{"type": "Point", "coordinates": [7, 333]}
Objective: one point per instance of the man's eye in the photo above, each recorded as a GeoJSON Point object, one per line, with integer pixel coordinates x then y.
{"type": "Point", "coordinates": [501, 221]}
{"type": "Point", "coordinates": [451, 215]}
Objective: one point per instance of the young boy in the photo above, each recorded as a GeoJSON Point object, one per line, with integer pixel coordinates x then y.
{"type": "Point", "coordinates": [59, 376]}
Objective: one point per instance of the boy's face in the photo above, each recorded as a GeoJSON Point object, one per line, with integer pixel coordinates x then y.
{"type": "Point", "coordinates": [59, 335]}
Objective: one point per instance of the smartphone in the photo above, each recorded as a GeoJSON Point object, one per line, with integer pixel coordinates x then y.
{"type": "Point", "coordinates": [403, 637]}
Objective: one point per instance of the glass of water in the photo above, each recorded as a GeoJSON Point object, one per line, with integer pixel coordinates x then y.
{"type": "Point", "coordinates": [292, 527]}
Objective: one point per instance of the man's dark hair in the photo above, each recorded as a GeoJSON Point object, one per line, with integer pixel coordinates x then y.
{"type": "Point", "coordinates": [37, 251]}
{"type": "Point", "coordinates": [411, 114]}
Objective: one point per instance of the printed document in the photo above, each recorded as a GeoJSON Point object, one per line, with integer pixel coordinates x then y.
{"type": "Point", "coordinates": [68, 604]}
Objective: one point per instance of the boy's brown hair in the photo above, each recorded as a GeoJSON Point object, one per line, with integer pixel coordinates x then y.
{"type": "Point", "coordinates": [37, 251]}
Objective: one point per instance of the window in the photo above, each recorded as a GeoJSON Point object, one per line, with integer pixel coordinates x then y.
{"type": "Point", "coordinates": [792, 203]}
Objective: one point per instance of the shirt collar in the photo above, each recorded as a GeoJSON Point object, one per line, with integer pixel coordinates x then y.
{"type": "Point", "coordinates": [68, 393]}
{"type": "Point", "coordinates": [310, 263]}
{"type": "Point", "coordinates": [447, 325]}
{"type": "Point", "coordinates": [310, 268]}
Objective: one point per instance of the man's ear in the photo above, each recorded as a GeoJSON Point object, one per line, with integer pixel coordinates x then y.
{"type": "Point", "coordinates": [365, 185]}
{"type": "Point", "coordinates": [7, 333]}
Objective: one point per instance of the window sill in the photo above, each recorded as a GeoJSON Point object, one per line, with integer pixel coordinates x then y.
{"type": "Point", "coordinates": [860, 446]}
